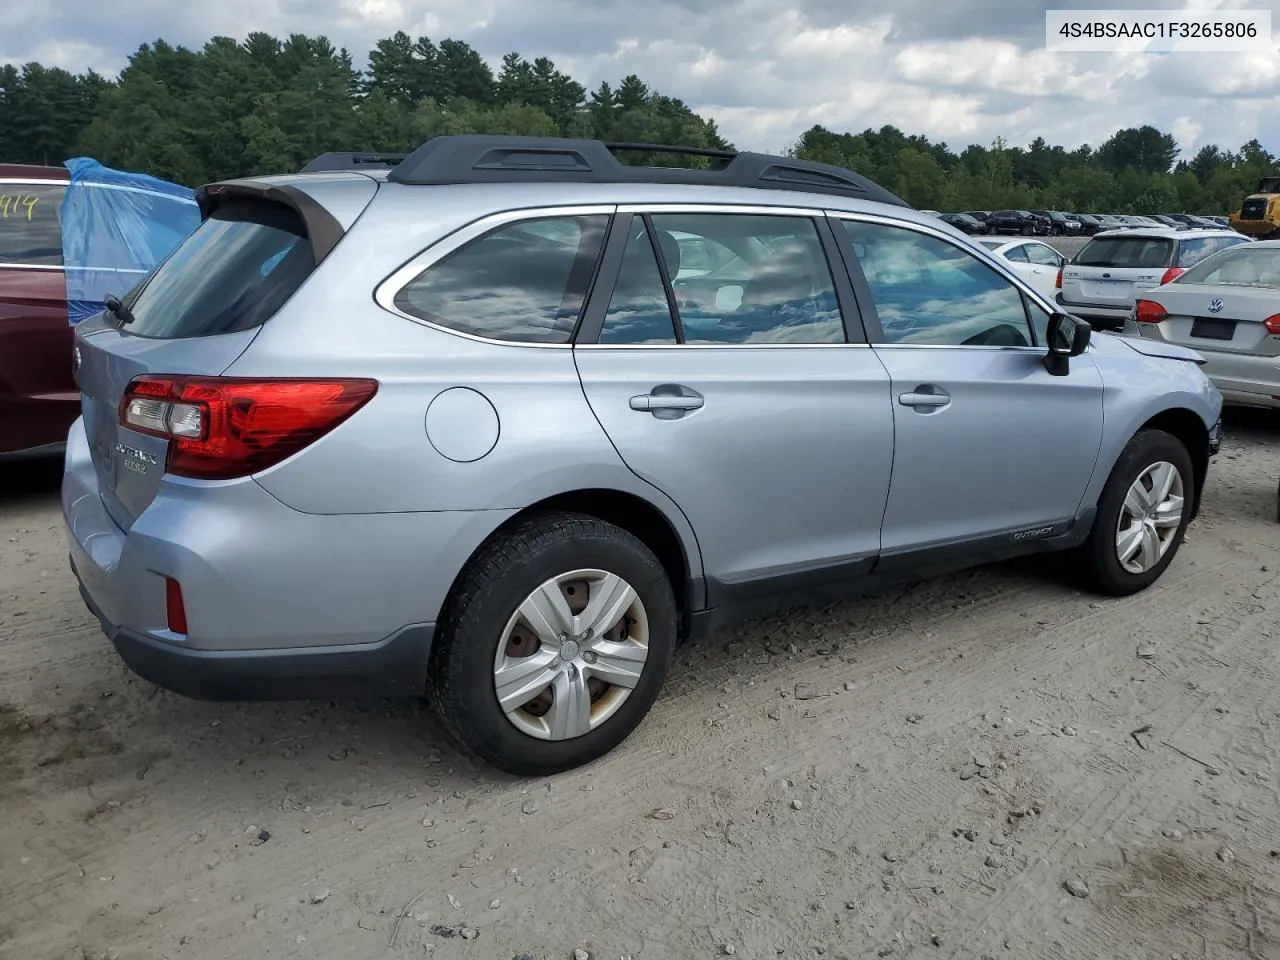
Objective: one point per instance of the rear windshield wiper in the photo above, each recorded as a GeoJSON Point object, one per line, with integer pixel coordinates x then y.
{"type": "Point", "coordinates": [117, 308]}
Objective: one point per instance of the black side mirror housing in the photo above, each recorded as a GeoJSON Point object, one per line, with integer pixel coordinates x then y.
{"type": "Point", "coordinates": [1068, 337]}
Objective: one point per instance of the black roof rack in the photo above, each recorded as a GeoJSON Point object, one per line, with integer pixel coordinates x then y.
{"type": "Point", "coordinates": [352, 161]}
{"type": "Point", "coordinates": [473, 158]}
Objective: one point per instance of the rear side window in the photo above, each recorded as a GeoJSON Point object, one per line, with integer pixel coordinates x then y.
{"type": "Point", "coordinates": [524, 282]}
{"type": "Point", "coordinates": [1132, 252]}
{"type": "Point", "coordinates": [236, 270]}
{"type": "Point", "coordinates": [1043, 255]}
{"type": "Point", "coordinates": [1191, 252]}
{"type": "Point", "coordinates": [30, 226]}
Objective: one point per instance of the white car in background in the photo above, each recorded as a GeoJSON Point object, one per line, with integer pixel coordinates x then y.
{"type": "Point", "coordinates": [1035, 262]}
{"type": "Point", "coordinates": [1227, 309]}
{"type": "Point", "coordinates": [1115, 267]}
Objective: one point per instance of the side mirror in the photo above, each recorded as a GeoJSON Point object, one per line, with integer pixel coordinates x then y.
{"type": "Point", "coordinates": [1068, 337]}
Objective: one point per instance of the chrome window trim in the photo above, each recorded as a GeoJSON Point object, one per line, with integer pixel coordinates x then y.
{"type": "Point", "coordinates": [721, 346]}
{"type": "Point", "coordinates": [990, 259]}
{"type": "Point", "coordinates": [35, 181]}
{"type": "Point", "coordinates": [389, 288]}
{"type": "Point", "coordinates": [658, 209]}
{"type": "Point", "coordinates": [9, 265]}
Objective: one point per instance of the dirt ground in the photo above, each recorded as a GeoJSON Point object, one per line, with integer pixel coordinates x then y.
{"type": "Point", "coordinates": [921, 774]}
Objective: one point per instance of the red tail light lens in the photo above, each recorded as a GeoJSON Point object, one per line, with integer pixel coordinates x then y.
{"type": "Point", "coordinates": [1172, 274]}
{"type": "Point", "coordinates": [175, 610]}
{"type": "Point", "coordinates": [220, 428]}
{"type": "Point", "coordinates": [1057, 281]}
{"type": "Point", "coordinates": [1148, 311]}
{"type": "Point", "coordinates": [1272, 323]}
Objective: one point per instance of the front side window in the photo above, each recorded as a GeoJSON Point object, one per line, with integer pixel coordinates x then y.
{"type": "Point", "coordinates": [524, 282]}
{"type": "Point", "coordinates": [30, 224]}
{"type": "Point", "coordinates": [775, 287]}
{"type": "Point", "coordinates": [1016, 254]}
{"type": "Point", "coordinates": [928, 291]}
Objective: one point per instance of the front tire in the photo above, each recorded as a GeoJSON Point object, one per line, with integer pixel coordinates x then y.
{"type": "Point", "coordinates": [554, 645]}
{"type": "Point", "coordinates": [1142, 515]}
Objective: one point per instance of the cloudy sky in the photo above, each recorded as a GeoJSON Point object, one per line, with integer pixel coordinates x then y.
{"type": "Point", "coordinates": [963, 71]}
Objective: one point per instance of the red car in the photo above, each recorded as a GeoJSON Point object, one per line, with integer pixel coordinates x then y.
{"type": "Point", "coordinates": [38, 396]}
{"type": "Point", "coordinates": [71, 238]}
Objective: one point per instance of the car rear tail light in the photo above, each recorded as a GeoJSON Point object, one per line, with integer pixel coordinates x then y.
{"type": "Point", "coordinates": [1148, 311]}
{"type": "Point", "coordinates": [1172, 274]}
{"type": "Point", "coordinates": [175, 610]}
{"type": "Point", "coordinates": [1272, 323]}
{"type": "Point", "coordinates": [1057, 281]}
{"type": "Point", "coordinates": [220, 428]}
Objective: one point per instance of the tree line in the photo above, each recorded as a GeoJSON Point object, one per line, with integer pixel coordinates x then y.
{"type": "Point", "coordinates": [268, 105]}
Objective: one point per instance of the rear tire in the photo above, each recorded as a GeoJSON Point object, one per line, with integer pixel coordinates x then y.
{"type": "Point", "coordinates": [494, 635]}
{"type": "Point", "coordinates": [1142, 515]}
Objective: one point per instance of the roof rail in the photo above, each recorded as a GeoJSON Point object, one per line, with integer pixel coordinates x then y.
{"type": "Point", "coordinates": [474, 158]}
{"type": "Point", "coordinates": [352, 161]}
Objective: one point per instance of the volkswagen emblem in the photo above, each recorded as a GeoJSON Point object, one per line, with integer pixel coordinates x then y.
{"type": "Point", "coordinates": [1215, 305]}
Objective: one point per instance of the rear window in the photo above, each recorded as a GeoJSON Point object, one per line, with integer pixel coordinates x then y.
{"type": "Point", "coordinates": [525, 282]}
{"type": "Point", "coordinates": [30, 226]}
{"type": "Point", "coordinates": [1137, 252]}
{"type": "Point", "coordinates": [233, 273]}
{"type": "Point", "coordinates": [1242, 265]}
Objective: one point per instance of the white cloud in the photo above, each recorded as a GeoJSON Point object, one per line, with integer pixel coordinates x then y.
{"type": "Point", "coordinates": [962, 72]}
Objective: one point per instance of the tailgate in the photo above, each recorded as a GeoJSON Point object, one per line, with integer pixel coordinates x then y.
{"type": "Point", "coordinates": [194, 315]}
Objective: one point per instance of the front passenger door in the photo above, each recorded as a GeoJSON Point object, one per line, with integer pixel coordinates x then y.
{"type": "Point", "coordinates": [988, 445]}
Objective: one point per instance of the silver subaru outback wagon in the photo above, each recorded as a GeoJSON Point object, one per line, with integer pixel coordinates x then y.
{"type": "Point", "coordinates": [504, 420]}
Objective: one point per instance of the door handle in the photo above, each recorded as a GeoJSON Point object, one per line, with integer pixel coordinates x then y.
{"type": "Point", "coordinates": [924, 399]}
{"type": "Point", "coordinates": [650, 402]}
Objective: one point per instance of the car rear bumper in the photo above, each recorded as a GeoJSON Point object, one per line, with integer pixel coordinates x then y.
{"type": "Point", "coordinates": [278, 603]}
{"type": "Point", "coordinates": [396, 666]}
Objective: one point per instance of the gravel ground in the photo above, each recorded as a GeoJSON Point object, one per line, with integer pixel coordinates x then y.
{"type": "Point", "coordinates": [988, 765]}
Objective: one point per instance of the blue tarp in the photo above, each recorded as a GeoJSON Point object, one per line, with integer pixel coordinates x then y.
{"type": "Point", "coordinates": [116, 226]}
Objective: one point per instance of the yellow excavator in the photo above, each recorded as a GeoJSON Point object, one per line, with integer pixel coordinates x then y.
{"type": "Point", "coordinates": [1259, 215]}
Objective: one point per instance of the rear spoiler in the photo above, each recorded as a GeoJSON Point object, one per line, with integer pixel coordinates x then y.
{"type": "Point", "coordinates": [323, 231]}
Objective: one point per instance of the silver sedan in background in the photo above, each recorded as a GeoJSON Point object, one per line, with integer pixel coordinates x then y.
{"type": "Point", "coordinates": [1227, 308]}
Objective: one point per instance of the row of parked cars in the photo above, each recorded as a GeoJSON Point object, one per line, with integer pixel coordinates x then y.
{"type": "Point", "coordinates": [1044, 223]}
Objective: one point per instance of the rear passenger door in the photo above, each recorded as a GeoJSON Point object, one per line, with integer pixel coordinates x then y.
{"type": "Point", "coordinates": [742, 387]}
{"type": "Point", "coordinates": [989, 447]}
{"type": "Point", "coordinates": [38, 397]}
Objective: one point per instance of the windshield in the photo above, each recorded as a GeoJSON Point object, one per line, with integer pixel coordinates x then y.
{"type": "Point", "coordinates": [1140, 252]}
{"type": "Point", "coordinates": [1242, 265]}
{"type": "Point", "coordinates": [233, 273]}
